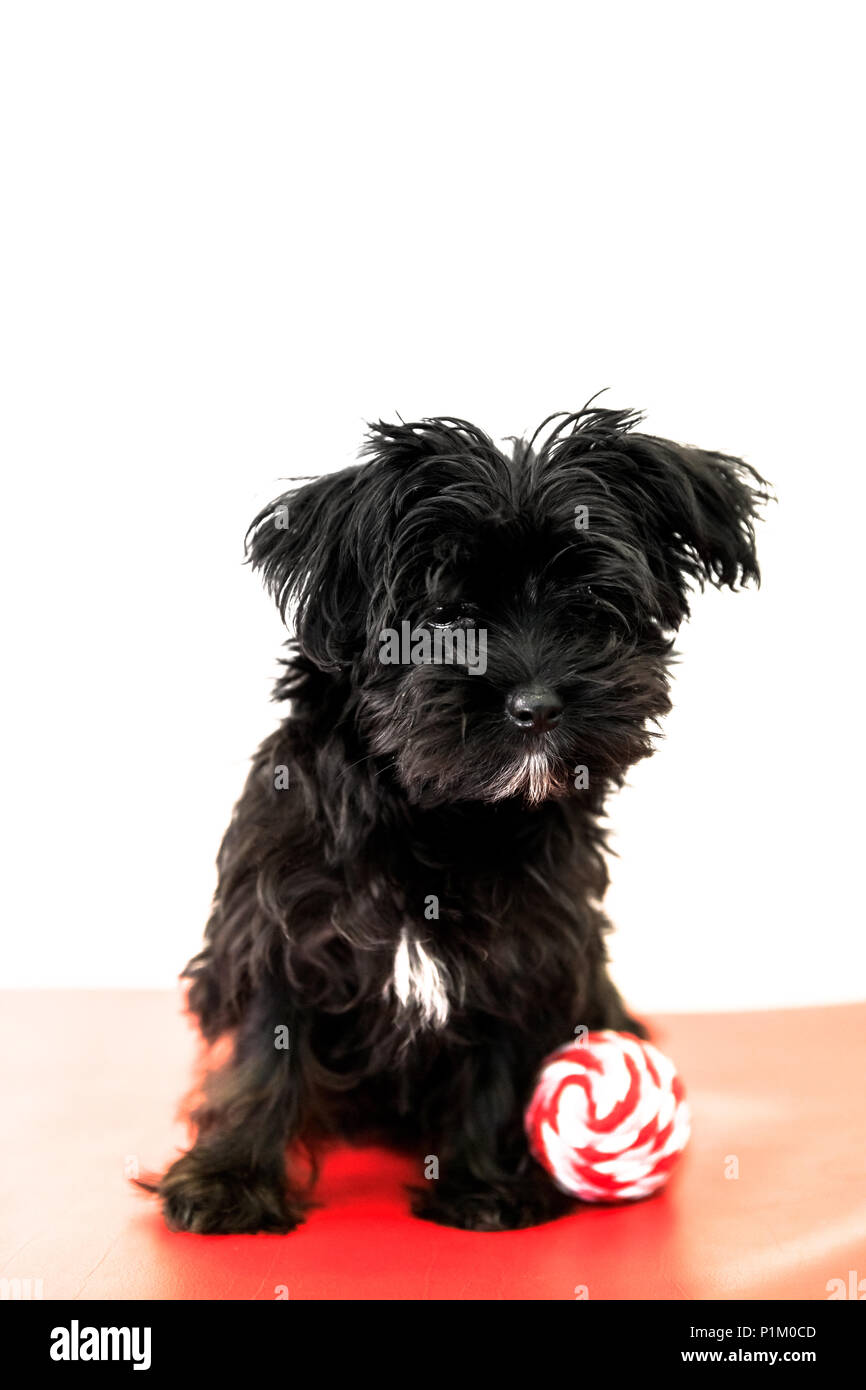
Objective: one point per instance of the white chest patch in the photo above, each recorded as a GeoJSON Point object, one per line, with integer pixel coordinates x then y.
{"type": "Point", "coordinates": [419, 982]}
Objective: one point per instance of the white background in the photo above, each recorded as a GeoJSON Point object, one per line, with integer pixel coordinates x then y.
{"type": "Point", "coordinates": [233, 232]}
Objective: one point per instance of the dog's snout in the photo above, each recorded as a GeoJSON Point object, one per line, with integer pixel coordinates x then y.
{"type": "Point", "coordinates": [534, 708]}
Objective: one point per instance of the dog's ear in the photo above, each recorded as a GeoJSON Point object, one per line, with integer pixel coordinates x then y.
{"type": "Point", "coordinates": [327, 547]}
{"type": "Point", "coordinates": [698, 511]}
{"type": "Point", "coordinates": [314, 548]}
{"type": "Point", "coordinates": [671, 516]}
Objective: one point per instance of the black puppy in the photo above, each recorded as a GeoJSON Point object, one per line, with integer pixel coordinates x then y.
{"type": "Point", "coordinates": [407, 918]}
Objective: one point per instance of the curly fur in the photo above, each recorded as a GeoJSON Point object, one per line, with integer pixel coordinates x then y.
{"type": "Point", "coordinates": [408, 784]}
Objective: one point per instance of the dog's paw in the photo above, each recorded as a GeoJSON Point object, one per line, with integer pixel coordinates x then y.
{"type": "Point", "coordinates": [197, 1197]}
{"type": "Point", "coordinates": [506, 1208]}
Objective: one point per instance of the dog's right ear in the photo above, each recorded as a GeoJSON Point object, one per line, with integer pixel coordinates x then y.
{"type": "Point", "coordinates": [312, 547]}
{"type": "Point", "coordinates": [327, 547]}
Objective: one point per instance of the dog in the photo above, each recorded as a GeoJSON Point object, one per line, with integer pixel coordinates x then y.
{"type": "Point", "coordinates": [408, 913]}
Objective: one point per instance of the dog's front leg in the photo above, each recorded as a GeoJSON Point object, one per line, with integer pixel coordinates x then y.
{"type": "Point", "coordinates": [234, 1177]}
{"type": "Point", "coordinates": [487, 1180]}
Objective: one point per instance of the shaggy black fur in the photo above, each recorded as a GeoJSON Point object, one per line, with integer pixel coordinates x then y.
{"type": "Point", "coordinates": [411, 788]}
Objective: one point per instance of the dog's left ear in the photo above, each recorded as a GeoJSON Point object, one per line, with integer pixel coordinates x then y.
{"type": "Point", "coordinates": [699, 509]}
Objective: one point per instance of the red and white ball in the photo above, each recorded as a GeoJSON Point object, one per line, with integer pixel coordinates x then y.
{"type": "Point", "coordinates": [609, 1118]}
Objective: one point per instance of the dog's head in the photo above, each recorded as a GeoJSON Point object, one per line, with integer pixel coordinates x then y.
{"type": "Point", "coordinates": [505, 621]}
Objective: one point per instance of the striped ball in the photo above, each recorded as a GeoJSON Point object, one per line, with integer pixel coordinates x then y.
{"type": "Point", "coordinates": [609, 1118]}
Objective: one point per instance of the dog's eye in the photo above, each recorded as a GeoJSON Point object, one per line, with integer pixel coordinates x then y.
{"type": "Point", "coordinates": [453, 615]}
{"type": "Point", "coordinates": [601, 611]}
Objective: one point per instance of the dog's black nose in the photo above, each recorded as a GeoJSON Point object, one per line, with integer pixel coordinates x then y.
{"type": "Point", "coordinates": [534, 708]}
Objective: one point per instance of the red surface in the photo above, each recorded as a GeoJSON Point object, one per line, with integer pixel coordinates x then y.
{"type": "Point", "coordinates": [90, 1081]}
